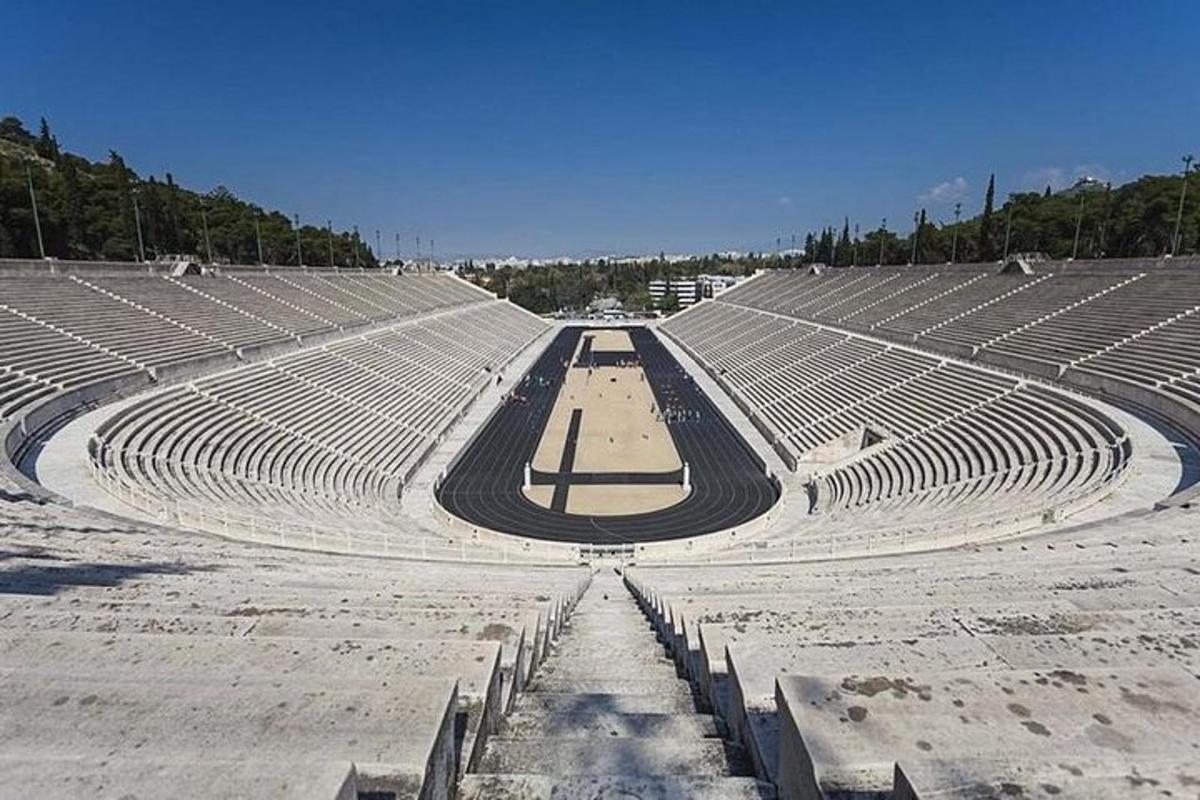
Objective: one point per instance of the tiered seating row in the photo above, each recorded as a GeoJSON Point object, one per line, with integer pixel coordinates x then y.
{"type": "Point", "coordinates": [957, 439]}
{"type": "Point", "coordinates": [1024, 443]}
{"type": "Point", "coordinates": [329, 434]}
{"type": "Point", "coordinates": [976, 672]}
{"type": "Point", "coordinates": [1131, 325]}
{"type": "Point", "coordinates": [136, 661]}
{"type": "Point", "coordinates": [59, 333]}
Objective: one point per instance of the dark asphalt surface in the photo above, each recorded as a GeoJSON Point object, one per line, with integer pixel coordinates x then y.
{"type": "Point", "coordinates": [729, 484]}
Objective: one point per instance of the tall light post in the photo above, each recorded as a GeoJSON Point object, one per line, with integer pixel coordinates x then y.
{"type": "Point", "coordinates": [137, 223]}
{"type": "Point", "coordinates": [299, 251]}
{"type": "Point", "coordinates": [1008, 228]}
{"type": "Point", "coordinates": [329, 234]}
{"type": "Point", "coordinates": [1078, 225]}
{"type": "Point", "coordinates": [354, 246]}
{"type": "Point", "coordinates": [378, 247]}
{"type": "Point", "coordinates": [37, 222]}
{"type": "Point", "coordinates": [207, 240]}
{"type": "Point", "coordinates": [1187, 166]}
{"type": "Point", "coordinates": [954, 240]}
{"type": "Point", "coordinates": [1098, 250]}
{"type": "Point", "coordinates": [882, 239]}
{"type": "Point", "coordinates": [397, 247]}
{"type": "Point", "coordinates": [916, 235]}
{"type": "Point", "coordinates": [854, 251]}
{"type": "Point", "coordinates": [258, 238]}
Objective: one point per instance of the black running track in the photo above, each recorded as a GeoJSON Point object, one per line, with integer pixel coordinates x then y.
{"type": "Point", "coordinates": [729, 482]}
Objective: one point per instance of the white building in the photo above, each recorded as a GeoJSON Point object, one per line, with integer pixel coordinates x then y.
{"type": "Point", "coordinates": [688, 291]}
{"type": "Point", "coordinates": [713, 285]}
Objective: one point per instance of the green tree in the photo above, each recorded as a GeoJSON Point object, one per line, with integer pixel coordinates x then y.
{"type": "Point", "coordinates": [987, 245]}
{"type": "Point", "coordinates": [46, 145]}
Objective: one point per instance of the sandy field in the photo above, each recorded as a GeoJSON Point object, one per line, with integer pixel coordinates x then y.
{"type": "Point", "coordinates": [618, 432]}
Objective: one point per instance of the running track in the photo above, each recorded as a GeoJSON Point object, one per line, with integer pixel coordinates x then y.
{"type": "Point", "coordinates": [729, 484]}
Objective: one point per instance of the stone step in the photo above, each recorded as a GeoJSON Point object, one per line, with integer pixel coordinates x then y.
{"type": "Point", "coordinates": [591, 722]}
{"type": "Point", "coordinates": [606, 756]}
{"type": "Point", "coordinates": [592, 660]}
{"type": "Point", "coordinates": [612, 787]}
{"type": "Point", "coordinates": [567, 702]}
{"type": "Point", "coordinates": [610, 685]}
{"type": "Point", "coordinates": [622, 670]}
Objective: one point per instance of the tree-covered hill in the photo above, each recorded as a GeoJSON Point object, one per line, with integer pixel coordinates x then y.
{"type": "Point", "coordinates": [1133, 220]}
{"type": "Point", "coordinates": [89, 210]}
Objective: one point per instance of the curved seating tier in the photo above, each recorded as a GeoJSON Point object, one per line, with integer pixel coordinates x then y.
{"type": "Point", "coordinates": [1127, 329]}
{"type": "Point", "coordinates": [324, 436]}
{"type": "Point", "coordinates": [61, 332]}
{"type": "Point", "coordinates": [897, 434]}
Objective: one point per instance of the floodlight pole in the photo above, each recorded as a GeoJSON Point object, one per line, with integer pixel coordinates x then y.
{"type": "Point", "coordinates": [258, 238]}
{"type": "Point", "coordinates": [854, 248]}
{"type": "Point", "coordinates": [137, 223]}
{"type": "Point", "coordinates": [1078, 225]}
{"type": "Point", "coordinates": [378, 247]}
{"type": "Point", "coordinates": [1187, 165]}
{"type": "Point", "coordinates": [882, 239]}
{"type": "Point", "coordinates": [354, 246]}
{"type": "Point", "coordinates": [329, 232]}
{"type": "Point", "coordinates": [299, 251]}
{"type": "Point", "coordinates": [916, 235]}
{"type": "Point", "coordinates": [954, 241]}
{"type": "Point", "coordinates": [207, 240]}
{"type": "Point", "coordinates": [37, 222]}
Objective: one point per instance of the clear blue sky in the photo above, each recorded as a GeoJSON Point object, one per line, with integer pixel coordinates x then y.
{"type": "Point", "coordinates": [577, 127]}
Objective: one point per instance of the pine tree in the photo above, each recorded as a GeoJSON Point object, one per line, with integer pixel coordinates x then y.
{"type": "Point", "coordinates": [917, 233]}
{"type": "Point", "coordinates": [825, 247]}
{"type": "Point", "coordinates": [987, 246]}
{"type": "Point", "coordinates": [46, 145]}
{"type": "Point", "coordinates": [843, 248]}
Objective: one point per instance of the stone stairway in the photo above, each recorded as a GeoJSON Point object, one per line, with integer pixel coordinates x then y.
{"type": "Point", "coordinates": [608, 718]}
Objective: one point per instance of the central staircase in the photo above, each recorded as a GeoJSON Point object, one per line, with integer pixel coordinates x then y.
{"type": "Point", "coordinates": [607, 718]}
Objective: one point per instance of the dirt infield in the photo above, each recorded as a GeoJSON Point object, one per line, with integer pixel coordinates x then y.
{"type": "Point", "coordinates": [620, 428]}
{"type": "Point", "coordinates": [585, 488]}
{"type": "Point", "coordinates": [606, 419]}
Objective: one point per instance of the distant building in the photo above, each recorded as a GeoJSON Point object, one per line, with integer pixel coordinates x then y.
{"type": "Point", "coordinates": [1085, 185]}
{"type": "Point", "coordinates": [688, 291]}
{"type": "Point", "coordinates": [713, 285]}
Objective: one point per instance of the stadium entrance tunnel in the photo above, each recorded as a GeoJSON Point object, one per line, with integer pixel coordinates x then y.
{"type": "Point", "coordinates": [607, 440]}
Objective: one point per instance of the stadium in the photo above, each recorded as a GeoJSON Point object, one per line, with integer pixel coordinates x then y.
{"type": "Point", "coordinates": [882, 531]}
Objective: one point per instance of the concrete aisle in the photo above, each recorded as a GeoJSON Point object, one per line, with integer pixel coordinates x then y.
{"type": "Point", "coordinates": [607, 717]}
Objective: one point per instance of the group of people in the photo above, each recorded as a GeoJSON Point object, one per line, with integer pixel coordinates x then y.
{"type": "Point", "coordinates": [675, 414]}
